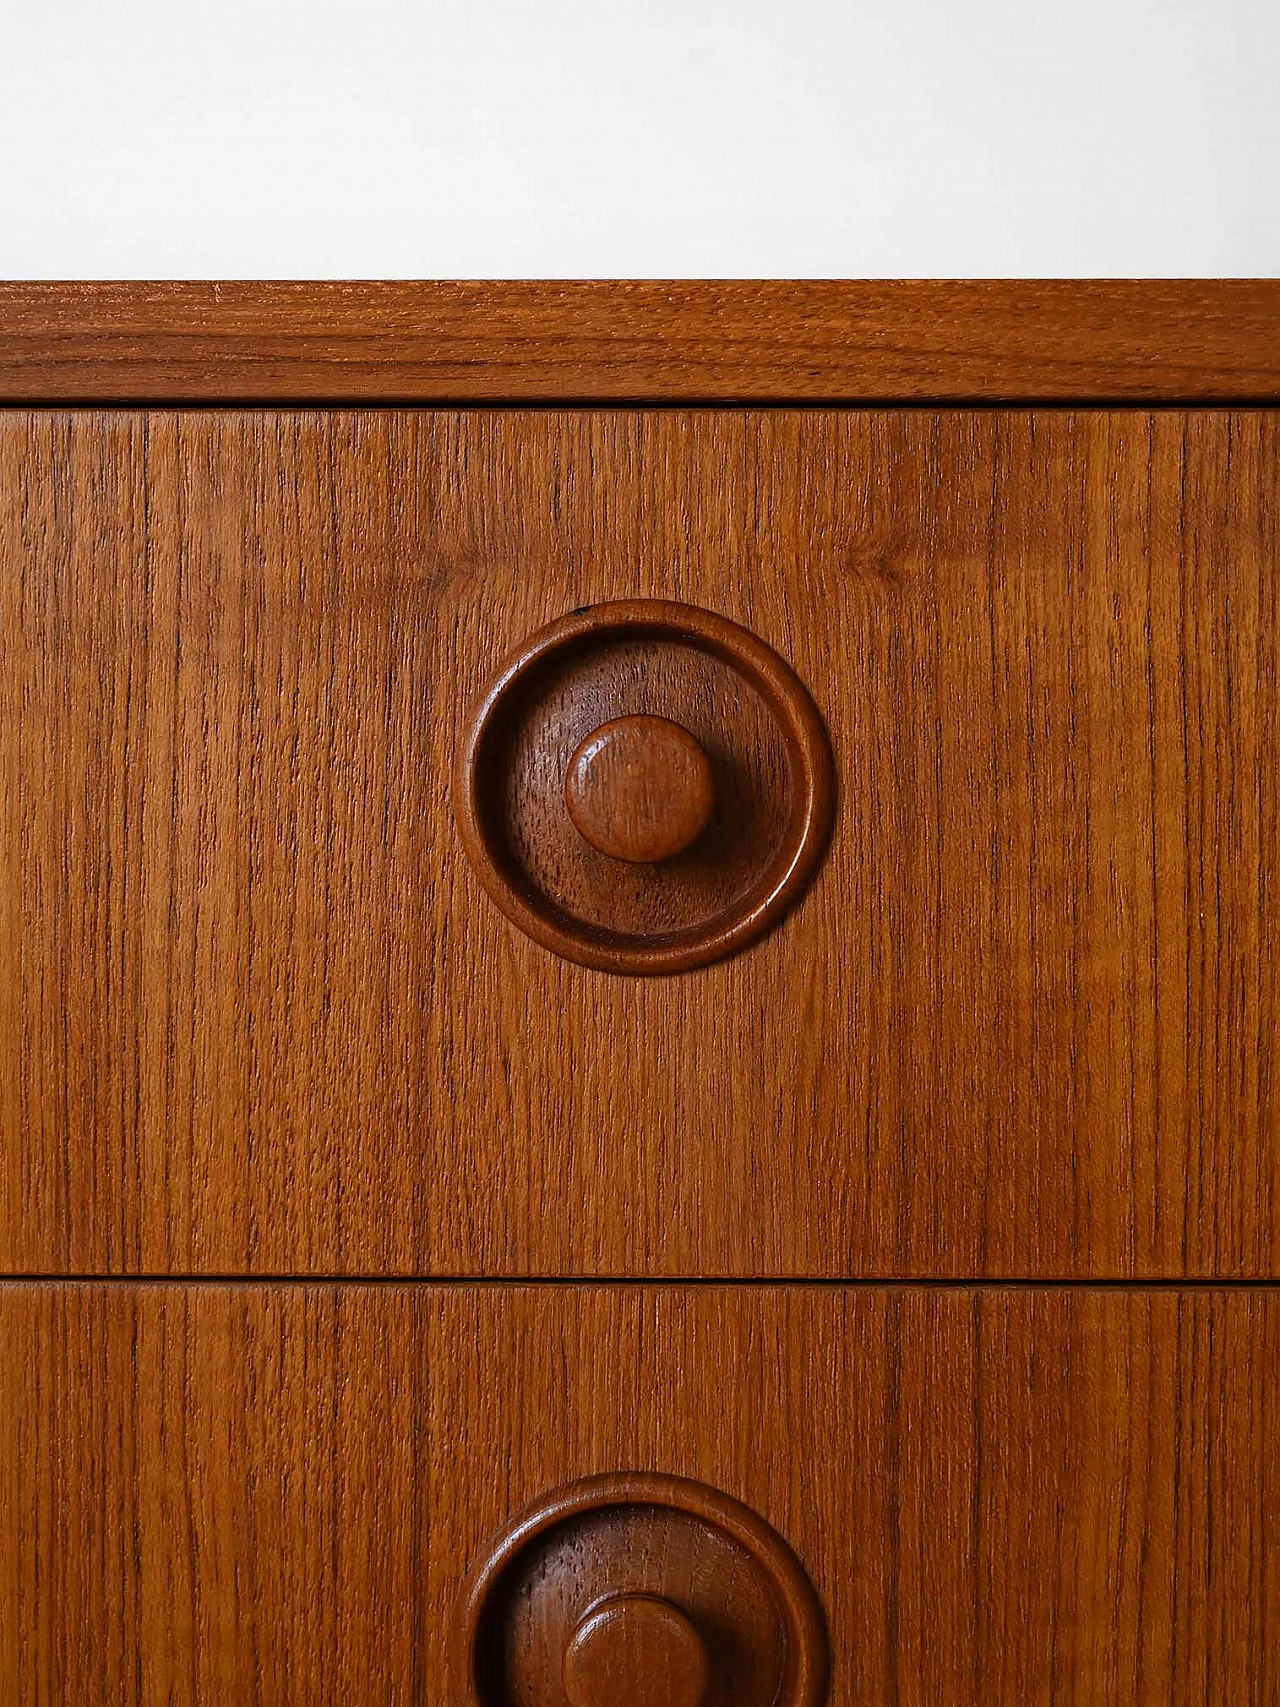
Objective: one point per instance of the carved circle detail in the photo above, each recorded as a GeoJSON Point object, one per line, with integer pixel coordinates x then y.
{"type": "Point", "coordinates": [644, 787]}
{"type": "Point", "coordinates": [639, 1590]}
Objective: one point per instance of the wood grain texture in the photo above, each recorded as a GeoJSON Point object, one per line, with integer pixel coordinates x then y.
{"type": "Point", "coordinates": [267, 1496]}
{"type": "Point", "coordinates": [256, 1014]}
{"type": "Point", "coordinates": [644, 341]}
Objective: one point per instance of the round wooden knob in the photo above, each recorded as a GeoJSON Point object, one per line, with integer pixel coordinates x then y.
{"type": "Point", "coordinates": [638, 1590]}
{"type": "Point", "coordinates": [639, 788]}
{"type": "Point", "coordinates": [635, 1651]}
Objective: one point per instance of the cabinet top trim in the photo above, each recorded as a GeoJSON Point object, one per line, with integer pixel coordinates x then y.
{"type": "Point", "coordinates": [643, 341]}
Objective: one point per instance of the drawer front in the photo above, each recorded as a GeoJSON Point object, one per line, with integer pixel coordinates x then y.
{"type": "Point", "coordinates": [273, 1493]}
{"type": "Point", "coordinates": [258, 1015]}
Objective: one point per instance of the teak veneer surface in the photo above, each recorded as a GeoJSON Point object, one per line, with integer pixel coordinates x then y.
{"type": "Point", "coordinates": [268, 1496]}
{"type": "Point", "coordinates": [256, 1014]}
{"type": "Point", "coordinates": [1002, 340]}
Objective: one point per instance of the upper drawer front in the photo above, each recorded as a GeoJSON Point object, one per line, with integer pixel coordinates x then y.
{"type": "Point", "coordinates": [256, 1013]}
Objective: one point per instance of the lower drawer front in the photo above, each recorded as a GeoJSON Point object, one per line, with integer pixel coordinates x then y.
{"type": "Point", "coordinates": [269, 1494]}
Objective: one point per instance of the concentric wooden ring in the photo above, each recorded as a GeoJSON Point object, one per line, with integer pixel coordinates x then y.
{"type": "Point", "coordinates": [785, 867]}
{"type": "Point", "coordinates": [577, 1572]}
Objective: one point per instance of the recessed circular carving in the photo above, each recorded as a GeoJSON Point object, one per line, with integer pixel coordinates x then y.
{"type": "Point", "coordinates": [639, 1591]}
{"type": "Point", "coordinates": [628, 856]}
{"type": "Point", "coordinates": [640, 789]}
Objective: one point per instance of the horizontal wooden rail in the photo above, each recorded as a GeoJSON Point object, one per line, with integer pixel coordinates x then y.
{"type": "Point", "coordinates": [1003, 341]}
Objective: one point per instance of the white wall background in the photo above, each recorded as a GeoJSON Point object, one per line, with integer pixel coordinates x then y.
{"type": "Point", "coordinates": [659, 138]}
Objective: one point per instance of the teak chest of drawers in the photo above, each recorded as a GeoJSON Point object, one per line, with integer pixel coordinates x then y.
{"type": "Point", "coordinates": [638, 995]}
